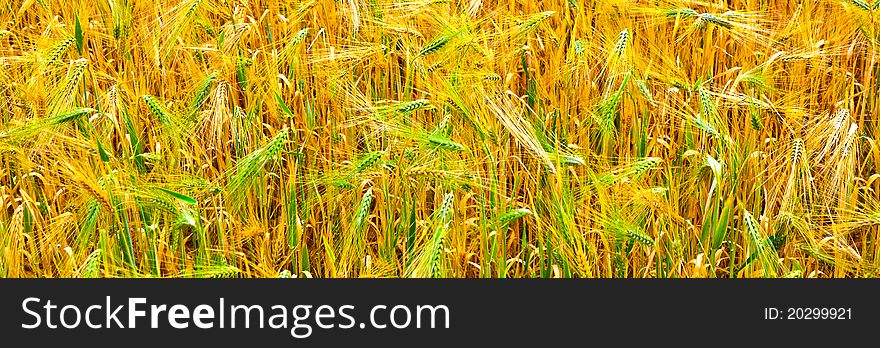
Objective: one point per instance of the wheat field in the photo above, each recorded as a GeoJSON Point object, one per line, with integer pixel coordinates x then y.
{"type": "Point", "coordinates": [430, 138]}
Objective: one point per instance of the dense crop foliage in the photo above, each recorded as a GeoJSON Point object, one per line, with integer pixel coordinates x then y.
{"type": "Point", "coordinates": [429, 138]}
